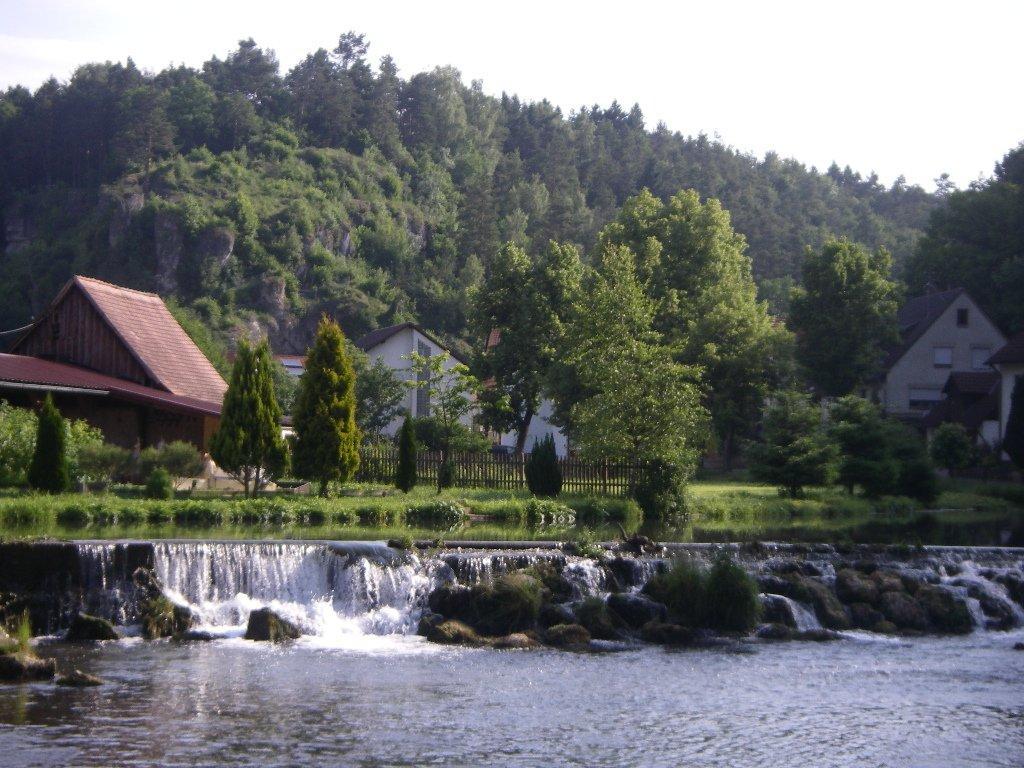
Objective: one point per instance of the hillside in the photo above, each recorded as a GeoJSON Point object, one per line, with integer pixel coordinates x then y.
{"type": "Point", "coordinates": [263, 200]}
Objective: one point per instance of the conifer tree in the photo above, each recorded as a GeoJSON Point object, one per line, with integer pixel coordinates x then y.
{"type": "Point", "coordinates": [248, 444]}
{"type": "Point", "coordinates": [405, 475]}
{"type": "Point", "coordinates": [543, 475]}
{"type": "Point", "coordinates": [324, 416]}
{"type": "Point", "coordinates": [49, 469]}
{"type": "Point", "coordinates": [1013, 440]}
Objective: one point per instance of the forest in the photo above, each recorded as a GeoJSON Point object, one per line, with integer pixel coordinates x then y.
{"type": "Point", "coordinates": [260, 200]}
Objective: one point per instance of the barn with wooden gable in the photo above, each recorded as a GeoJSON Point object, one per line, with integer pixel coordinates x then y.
{"type": "Point", "coordinates": [118, 359]}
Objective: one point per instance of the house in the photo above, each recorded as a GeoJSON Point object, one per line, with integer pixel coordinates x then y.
{"type": "Point", "coordinates": [940, 334]}
{"type": "Point", "coordinates": [295, 365]}
{"type": "Point", "coordinates": [1009, 363]}
{"type": "Point", "coordinates": [118, 359]}
{"type": "Point", "coordinates": [971, 399]}
{"type": "Point", "coordinates": [393, 345]}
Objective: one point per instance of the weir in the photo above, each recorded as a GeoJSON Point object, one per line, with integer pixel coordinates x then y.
{"type": "Point", "coordinates": [355, 589]}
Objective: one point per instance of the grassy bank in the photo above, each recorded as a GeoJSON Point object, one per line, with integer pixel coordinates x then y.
{"type": "Point", "coordinates": [966, 513]}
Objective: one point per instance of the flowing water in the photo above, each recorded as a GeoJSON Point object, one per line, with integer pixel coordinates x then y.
{"type": "Point", "coordinates": [360, 688]}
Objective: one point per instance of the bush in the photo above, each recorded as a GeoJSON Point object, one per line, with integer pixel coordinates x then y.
{"type": "Point", "coordinates": [199, 513]}
{"type": "Point", "coordinates": [681, 589]}
{"type": "Point", "coordinates": [595, 512]}
{"type": "Point", "coordinates": [543, 474]}
{"type": "Point", "coordinates": [431, 433]}
{"type": "Point", "coordinates": [49, 470]}
{"type": "Point", "coordinates": [159, 485]}
{"type": "Point", "coordinates": [180, 459]}
{"type": "Point", "coordinates": [444, 514]}
{"type": "Point", "coordinates": [446, 474]}
{"type": "Point", "coordinates": [544, 511]}
{"type": "Point", "coordinates": [794, 451]}
{"type": "Point", "coordinates": [103, 462]}
{"type": "Point", "coordinates": [659, 488]}
{"type": "Point", "coordinates": [951, 447]}
{"type": "Point", "coordinates": [17, 440]}
{"type": "Point", "coordinates": [731, 602]}
{"type": "Point", "coordinates": [509, 603]}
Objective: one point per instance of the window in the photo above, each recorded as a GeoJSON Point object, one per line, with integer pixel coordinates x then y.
{"type": "Point", "coordinates": [979, 358]}
{"type": "Point", "coordinates": [423, 391]}
{"type": "Point", "coordinates": [923, 398]}
{"type": "Point", "coordinates": [962, 317]}
{"type": "Point", "coordinates": [943, 357]}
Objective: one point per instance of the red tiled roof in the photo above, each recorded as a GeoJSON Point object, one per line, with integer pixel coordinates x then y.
{"type": "Point", "coordinates": [145, 325]}
{"type": "Point", "coordinates": [35, 372]}
{"type": "Point", "coordinates": [1012, 352]}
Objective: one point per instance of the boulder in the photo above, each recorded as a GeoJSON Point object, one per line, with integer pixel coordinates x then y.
{"type": "Point", "coordinates": [627, 571]}
{"type": "Point", "coordinates": [817, 635]}
{"type": "Point", "coordinates": [827, 608]}
{"type": "Point", "coordinates": [888, 581]}
{"type": "Point", "coordinates": [775, 630]}
{"type": "Point", "coordinates": [453, 632]}
{"type": "Point", "coordinates": [85, 628]}
{"type": "Point", "coordinates": [428, 620]}
{"type": "Point", "coordinates": [885, 628]}
{"type": "Point", "coordinates": [903, 611]}
{"type": "Point", "coordinates": [517, 640]}
{"type": "Point", "coordinates": [853, 587]}
{"type": "Point", "coordinates": [555, 613]}
{"type": "Point", "coordinates": [1018, 646]}
{"type": "Point", "coordinates": [567, 635]}
{"type": "Point", "coordinates": [945, 611]}
{"type": "Point", "coordinates": [635, 610]}
{"type": "Point", "coordinates": [864, 616]}
{"type": "Point", "coordinates": [23, 667]}
{"type": "Point", "coordinates": [162, 618]}
{"type": "Point", "coordinates": [266, 626]}
{"type": "Point", "coordinates": [593, 614]}
{"type": "Point", "coordinates": [195, 636]}
{"type": "Point", "coordinates": [452, 601]}
{"type": "Point", "coordinates": [659, 632]}
{"type": "Point", "coordinates": [1014, 586]}
{"type": "Point", "coordinates": [78, 679]}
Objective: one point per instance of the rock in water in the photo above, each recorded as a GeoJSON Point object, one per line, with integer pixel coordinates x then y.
{"type": "Point", "coordinates": [265, 625]}
{"type": "Point", "coordinates": [656, 631]}
{"type": "Point", "coordinates": [85, 627]}
{"type": "Point", "coordinates": [903, 611]}
{"type": "Point", "coordinates": [945, 611]}
{"type": "Point", "coordinates": [78, 679]}
{"type": "Point", "coordinates": [775, 631]}
{"type": "Point", "coordinates": [516, 640]}
{"type": "Point", "coordinates": [23, 667]}
{"type": "Point", "coordinates": [567, 635]}
{"type": "Point", "coordinates": [162, 618]}
{"type": "Point", "coordinates": [454, 632]}
{"type": "Point", "coordinates": [636, 610]}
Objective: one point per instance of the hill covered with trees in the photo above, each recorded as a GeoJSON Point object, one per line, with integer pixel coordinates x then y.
{"type": "Point", "coordinates": [261, 199]}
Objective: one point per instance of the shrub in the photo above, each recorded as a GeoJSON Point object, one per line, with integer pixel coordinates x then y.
{"type": "Point", "coordinates": [49, 470]}
{"type": "Point", "coordinates": [159, 485]}
{"type": "Point", "coordinates": [543, 474]}
{"type": "Point", "coordinates": [180, 459]}
{"type": "Point", "coordinates": [681, 589]}
{"type": "Point", "coordinates": [509, 603]}
{"type": "Point", "coordinates": [539, 511]}
{"type": "Point", "coordinates": [794, 451]}
{"type": "Point", "coordinates": [405, 474]}
{"type": "Point", "coordinates": [74, 516]}
{"type": "Point", "coordinates": [595, 512]}
{"type": "Point", "coordinates": [442, 514]}
{"type": "Point", "coordinates": [259, 512]}
{"type": "Point", "coordinates": [731, 602]}
{"type": "Point", "coordinates": [103, 462]}
{"type": "Point", "coordinates": [446, 474]}
{"type": "Point", "coordinates": [17, 439]}
{"type": "Point", "coordinates": [431, 434]}
{"type": "Point", "coordinates": [658, 488]}
{"type": "Point", "coordinates": [951, 447]}
{"type": "Point", "coordinates": [198, 513]}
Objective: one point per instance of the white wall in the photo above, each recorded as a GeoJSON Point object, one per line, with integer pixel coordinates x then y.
{"type": "Point", "coordinates": [1010, 373]}
{"type": "Point", "coordinates": [540, 426]}
{"type": "Point", "coordinates": [916, 369]}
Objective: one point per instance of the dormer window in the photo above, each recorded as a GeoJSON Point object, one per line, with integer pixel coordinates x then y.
{"type": "Point", "coordinates": [962, 316]}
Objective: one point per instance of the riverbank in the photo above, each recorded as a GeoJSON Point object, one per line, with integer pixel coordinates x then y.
{"type": "Point", "coordinates": [982, 514]}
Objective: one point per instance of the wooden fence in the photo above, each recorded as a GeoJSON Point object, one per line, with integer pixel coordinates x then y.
{"type": "Point", "coordinates": [485, 470]}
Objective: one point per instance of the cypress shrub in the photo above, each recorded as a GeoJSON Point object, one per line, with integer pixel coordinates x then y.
{"type": "Point", "coordinates": [159, 485]}
{"type": "Point", "coordinates": [446, 474]}
{"type": "Point", "coordinates": [658, 488]}
{"type": "Point", "coordinates": [543, 475]}
{"type": "Point", "coordinates": [49, 469]}
{"type": "Point", "coordinates": [405, 475]}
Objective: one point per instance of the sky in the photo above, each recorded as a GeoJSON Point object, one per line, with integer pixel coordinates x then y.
{"type": "Point", "coordinates": [900, 87]}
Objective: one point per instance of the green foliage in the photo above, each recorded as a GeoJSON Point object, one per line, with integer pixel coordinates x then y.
{"type": "Point", "coordinates": [327, 438]}
{"type": "Point", "coordinates": [446, 474]}
{"type": "Point", "coordinates": [1013, 440]}
{"type": "Point", "coordinates": [248, 443]}
{"type": "Point", "coordinates": [681, 589]}
{"type": "Point", "coordinates": [794, 451]}
{"type": "Point", "coordinates": [659, 489]}
{"type": "Point", "coordinates": [159, 484]}
{"type": "Point", "coordinates": [439, 514]}
{"type": "Point", "coordinates": [543, 473]}
{"type": "Point", "coordinates": [951, 448]}
{"type": "Point", "coordinates": [433, 435]}
{"type": "Point", "coordinates": [49, 470]}
{"type": "Point", "coordinates": [17, 441]}
{"type": "Point", "coordinates": [731, 601]}
{"type": "Point", "coordinates": [405, 474]}
{"type": "Point", "coordinates": [974, 240]}
{"type": "Point", "coordinates": [379, 396]}
{"type": "Point", "coordinates": [179, 458]}
{"type": "Point", "coordinates": [104, 462]}
{"type": "Point", "coordinates": [844, 314]}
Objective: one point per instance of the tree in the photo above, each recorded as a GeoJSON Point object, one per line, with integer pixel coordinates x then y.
{"type": "Point", "coordinates": [451, 389]}
{"type": "Point", "coordinates": [794, 450]}
{"type": "Point", "coordinates": [866, 455]}
{"type": "Point", "coordinates": [49, 469]}
{"type": "Point", "coordinates": [520, 309]}
{"type": "Point", "coordinates": [951, 447]}
{"type": "Point", "coordinates": [1013, 440]}
{"type": "Point", "coordinates": [18, 427]}
{"type": "Point", "coordinates": [379, 396]}
{"type": "Point", "coordinates": [639, 402]}
{"type": "Point", "coordinates": [844, 315]}
{"type": "Point", "coordinates": [405, 474]}
{"type": "Point", "coordinates": [248, 443]}
{"type": "Point", "coordinates": [326, 436]}
{"type": "Point", "coordinates": [695, 267]}
{"type": "Point", "coordinates": [543, 475]}
{"type": "Point", "coordinates": [145, 133]}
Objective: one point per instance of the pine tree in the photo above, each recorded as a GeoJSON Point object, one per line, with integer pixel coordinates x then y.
{"type": "Point", "coordinates": [543, 475]}
{"type": "Point", "coordinates": [794, 451]}
{"type": "Point", "coordinates": [405, 475]}
{"type": "Point", "coordinates": [49, 468]}
{"type": "Point", "coordinates": [324, 416]}
{"type": "Point", "coordinates": [1013, 440]}
{"type": "Point", "coordinates": [248, 444]}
